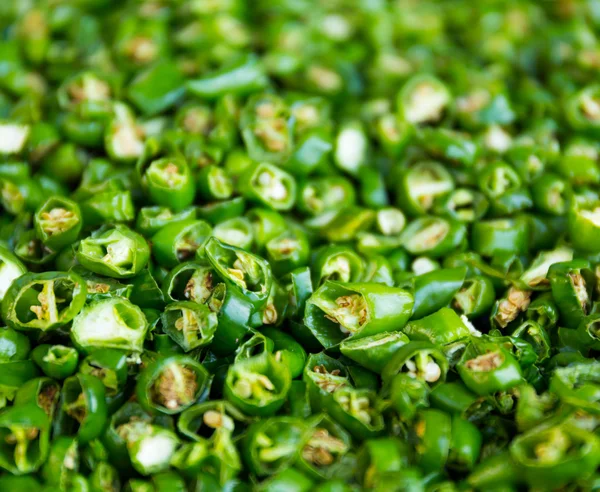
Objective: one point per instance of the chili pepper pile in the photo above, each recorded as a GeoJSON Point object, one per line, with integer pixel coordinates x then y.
{"type": "Point", "coordinates": [299, 245]}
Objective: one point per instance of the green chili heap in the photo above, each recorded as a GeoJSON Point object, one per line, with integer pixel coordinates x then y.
{"type": "Point", "coordinates": [299, 245]}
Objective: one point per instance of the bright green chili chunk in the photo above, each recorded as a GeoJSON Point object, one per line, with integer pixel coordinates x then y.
{"type": "Point", "coordinates": [299, 245]}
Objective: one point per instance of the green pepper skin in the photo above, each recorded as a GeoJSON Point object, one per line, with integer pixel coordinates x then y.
{"type": "Point", "coordinates": [385, 308]}
{"type": "Point", "coordinates": [40, 391]}
{"type": "Point", "coordinates": [82, 406]}
{"type": "Point", "coordinates": [289, 479]}
{"type": "Point", "coordinates": [150, 220]}
{"type": "Point", "coordinates": [381, 455]}
{"type": "Point", "coordinates": [244, 77]}
{"type": "Point", "coordinates": [10, 269]}
{"type": "Point", "coordinates": [110, 366]}
{"type": "Point", "coordinates": [234, 319]}
{"type": "Point", "coordinates": [435, 289]}
{"type": "Point", "coordinates": [220, 211]}
{"type": "Point", "coordinates": [572, 284]}
{"type": "Point", "coordinates": [299, 286]}
{"type": "Point", "coordinates": [171, 379]}
{"type": "Point", "coordinates": [543, 310]}
{"type": "Point", "coordinates": [455, 398]}
{"type": "Point", "coordinates": [265, 365]}
{"type": "Point", "coordinates": [179, 241]}
{"type": "Point", "coordinates": [418, 354]}
{"type": "Point", "coordinates": [107, 207]}
{"type": "Point", "coordinates": [13, 345]}
{"type": "Point", "coordinates": [55, 311]}
{"type": "Point", "coordinates": [465, 444]}
{"type": "Point", "coordinates": [17, 421]}
{"type": "Point", "coordinates": [62, 462]}
{"type": "Point", "coordinates": [288, 350]}
{"type": "Point", "coordinates": [559, 468]}
{"type": "Point", "coordinates": [375, 351]}
{"type": "Point", "coordinates": [489, 237]}
{"type": "Point", "coordinates": [583, 231]}
{"type": "Point", "coordinates": [157, 88]}
{"type": "Point", "coordinates": [58, 222]}
{"type": "Point", "coordinates": [98, 252]}
{"type": "Point", "coordinates": [537, 336]}
{"type": "Point", "coordinates": [56, 361]}
{"type": "Point", "coordinates": [257, 278]}
{"type": "Point", "coordinates": [495, 471]}
{"type": "Point", "coordinates": [13, 376]}
{"type": "Point", "coordinates": [433, 432]}
{"type": "Point", "coordinates": [270, 445]}
{"type": "Point", "coordinates": [576, 384]}
{"type": "Point", "coordinates": [486, 368]}
{"type": "Point", "coordinates": [408, 395]}
{"type": "Point", "coordinates": [442, 327]}
{"type": "Point", "coordinates": [189, 324]}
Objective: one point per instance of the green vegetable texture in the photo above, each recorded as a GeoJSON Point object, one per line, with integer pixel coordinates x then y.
{"type": "Point", "coordinates": [299, 245]}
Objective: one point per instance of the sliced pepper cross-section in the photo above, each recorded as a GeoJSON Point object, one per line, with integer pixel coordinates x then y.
{"type": "Point", "coordinates": [110, 323]}
{"type": "Point", "coordinates": [337, 311]}
{"type": "Point", "coordinates": [43, 301]}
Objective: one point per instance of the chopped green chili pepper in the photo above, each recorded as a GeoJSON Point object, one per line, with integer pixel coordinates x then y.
{"type": "Point", "coordinates": [555, 455]}
{"type": "Point", "coordinates": [248, 273]}
{"type": "Point", "coordinates": [272, 444]}
{"type": "Point", "coordinates": [420, 360]}
{"type": "Point", "coordinates": [116, 252]}
{"type": "Point", "coordinates": [432, 430]}
{"type": "Point", "coordinates": [440, 328]}
{"type": "Point", "coordinates": [179, 241]}
{"type": "Point", "coordinates": [56, 361]}
{"type": "Point", "coordinates": [270, 186]}
{"type": "Point", "coordinates": [435, 289]}
{"type": "Point", "coordinates": [58, 222]}
{"type": "Point", "coordinates": [25, 432]}
{"type": "Point", "coordinates": [423, 99]}
{"type": "Point", "coordinates": [487, 367]}
{"type": "Point", "coordinates": [455, 398]}
{"type": "Point", "coordinates": [258, 385]}
{"type": "Point", "coordinates": [299, 245]}
{"type": "Point", "coordinates": [43, 301]}
{"type": "Point", "coordinates": [110, 323]}
{"type": "Point", "coordinates": [189, 324]}
{"type": "Point", "coordinates": [337, 311]}
{"type": "Point", "coordinates": [408, 395]}
{"type": "Point", "coordinates": [172, 384]}
{"type": "Point", "coordinates": [168, 182]}
{"type": "Point", "coordinates": [421, 184]}
{"type": "Point", "coordinates": [82, 407]}
{"type": "Point", "coordinates": [433, 236]}
{"type": "Point", "coordinates": [375, 351]}
{"type": "Point", "coordinates": [572, 283]}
